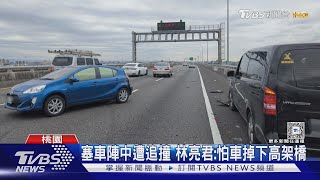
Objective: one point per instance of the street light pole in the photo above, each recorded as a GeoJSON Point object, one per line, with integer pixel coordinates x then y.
{"type": "Point", "coordinates": [202, 53]}
{"type": "Point", "coordinates": [227, 31]}
{"type": "Point", "coordinates": [207, 53]}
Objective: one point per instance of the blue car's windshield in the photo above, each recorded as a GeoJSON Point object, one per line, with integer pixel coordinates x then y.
{"type": "Point", "coordinates": [58, 74]}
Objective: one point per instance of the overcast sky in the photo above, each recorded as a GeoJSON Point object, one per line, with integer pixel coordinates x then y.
{"type": "Point", "coordinates": [29, 28]}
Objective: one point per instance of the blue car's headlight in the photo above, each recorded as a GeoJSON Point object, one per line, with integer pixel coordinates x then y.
{"type": "Point", "coordinates": [34, 89]}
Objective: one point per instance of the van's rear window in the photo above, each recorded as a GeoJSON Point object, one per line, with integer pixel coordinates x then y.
{"type": "Point", "coordinates": [301, 67]}
{"type": "Point", "coordinates": [62, 61]}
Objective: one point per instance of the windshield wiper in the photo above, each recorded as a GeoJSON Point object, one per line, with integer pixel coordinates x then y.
{"type": "Point", "coordinates": [46, 79]}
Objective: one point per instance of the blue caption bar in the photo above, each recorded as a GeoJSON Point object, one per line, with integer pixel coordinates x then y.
{"type": "Point", "coordinates": [191, 153]}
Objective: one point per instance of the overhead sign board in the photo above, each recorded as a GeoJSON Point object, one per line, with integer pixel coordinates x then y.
{"type": "Point", "coordinates": [167, 26]}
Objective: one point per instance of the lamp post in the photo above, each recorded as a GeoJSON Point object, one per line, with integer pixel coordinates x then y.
{"type": "Point", "coordinates": [227, 30]}
{"type": "Point", "coordinates": [207, 52]}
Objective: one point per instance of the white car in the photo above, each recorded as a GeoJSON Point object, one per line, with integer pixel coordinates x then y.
{"type": "Point", "coordinates": [135, 69]}
{"type": "Point", "coordinates": [192, 65]}
{"type": "Point", "coordinates": [162, 69]}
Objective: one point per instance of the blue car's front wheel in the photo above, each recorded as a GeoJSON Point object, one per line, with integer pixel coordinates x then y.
{"type": "Point", "coordinates": [54, 105]}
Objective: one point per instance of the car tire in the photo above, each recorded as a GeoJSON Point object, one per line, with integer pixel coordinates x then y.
{"type": "Point", "coordinates": [146, 72]}
{"type": "Point", "coordinates": [251, 131]}
{"type": "Point", "coordinates": [232, 107]}
{"type": "Point", "coordinates": [154, 75]}
{"type": "Point", "coordinates": [54, 105]}
{"type": "Point", "coordinates": [139, 73]}
{"type": "Point", "coordinates": [122, 95]}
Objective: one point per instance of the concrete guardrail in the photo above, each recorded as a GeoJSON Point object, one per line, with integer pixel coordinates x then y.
{"type": "Point", "coordinates": [16, 74]}
{"type": "Point", "coordinates": [222, 69]}
{"type": "Point", "coordinates": [12, 75]}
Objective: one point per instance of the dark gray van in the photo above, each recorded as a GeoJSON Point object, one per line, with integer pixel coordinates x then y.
{"type": "Point", "coordinates": [275, 85]}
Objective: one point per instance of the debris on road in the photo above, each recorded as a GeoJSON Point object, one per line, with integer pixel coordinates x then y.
{"type": "Point", "coordinates": [237, 139]}
{"type": "Point", "coordinates": [222, 102]}
{"type": "Point", "coordinates": [216, 91]}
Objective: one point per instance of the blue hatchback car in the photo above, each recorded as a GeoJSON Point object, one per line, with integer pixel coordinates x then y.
{"type": "Point", "coordinates": [70, 86]}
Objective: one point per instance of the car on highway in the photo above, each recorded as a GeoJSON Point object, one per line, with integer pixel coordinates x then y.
{"type": "Point", "coordinates": [276, 89]}
{"type": "Point", "coordinates": [135, 69]}
{"type": "Point", "coordinates": [74, 58]}
{"type": "Point", "coordinates": [185, 64]}
{"type": "Point", "coordinates": [70, 86]}
{"type": "Point", "coordinates": [162, 69]}
{"type": "Point", "coordinates": [192, 65]}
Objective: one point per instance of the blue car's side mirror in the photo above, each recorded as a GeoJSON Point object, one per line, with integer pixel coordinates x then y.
{"type": "Point", "coordinates": [73, 79]}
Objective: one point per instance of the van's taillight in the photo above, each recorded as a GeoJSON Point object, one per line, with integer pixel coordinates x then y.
{"type": "Point", "coordinates": [167, 69]}
{"type": "Point", "coordinates": [269, 102]}
{"type": "Point", "coordinates": [155, 69]}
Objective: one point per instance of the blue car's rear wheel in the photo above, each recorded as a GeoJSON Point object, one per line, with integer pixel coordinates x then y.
{"type": "Point", "coordinates": [54, 105]}
{"type": "Point", "coordinates": [123, 95]}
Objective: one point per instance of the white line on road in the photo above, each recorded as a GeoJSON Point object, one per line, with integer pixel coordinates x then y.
{"type": "Point", "coordinates": [135, 90]}
{"type": "Point", "coordinates": [159, 79]}
{"type": "Point", "coordinates": [5, 88]}
{"type": "Point", "coordinates": [212, 121]}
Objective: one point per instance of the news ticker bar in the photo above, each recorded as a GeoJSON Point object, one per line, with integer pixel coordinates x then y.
{"type": "Point", "coordinates": [34, 158]}
{"type": "Point", "coordinates": [191, 153]}
{"type": "Point", "coordinates": [190, 167]}
{"type": "Point", "coordinates": [175, 152]}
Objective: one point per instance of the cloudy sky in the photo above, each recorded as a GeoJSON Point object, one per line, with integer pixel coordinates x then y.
{"type": "Point", "coordinates": [29, 28]}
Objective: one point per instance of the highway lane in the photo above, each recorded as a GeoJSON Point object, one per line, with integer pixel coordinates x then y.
{"type": "Point", "coordinates": [232, 126]}
{"type": "Point", "coordinates": [168, 110]}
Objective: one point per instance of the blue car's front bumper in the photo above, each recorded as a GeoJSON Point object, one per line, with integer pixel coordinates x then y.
{"type": "Point", "coordinates": [23, 102]}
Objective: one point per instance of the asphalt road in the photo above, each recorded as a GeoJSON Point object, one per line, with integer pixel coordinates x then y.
{"type": "Point", "coordinates": [161, 110]}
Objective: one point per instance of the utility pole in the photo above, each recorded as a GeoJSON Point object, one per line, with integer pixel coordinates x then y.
{"type": "Point", "coordinates": [207, 53]}
{"type": "Point", "coordinates": [202, 53]}
{"type": "Point", "coordinates": [227, 31]}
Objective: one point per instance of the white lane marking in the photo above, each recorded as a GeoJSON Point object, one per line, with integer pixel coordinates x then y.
{"type": "Point", "coordinates": [212, 121]}
{"type": "Point", "coordinates": [5, 88]}
{"type": "Point", "coordinates": [135, 90]}
{"type": "Point", "coordinates": [159, 79]}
